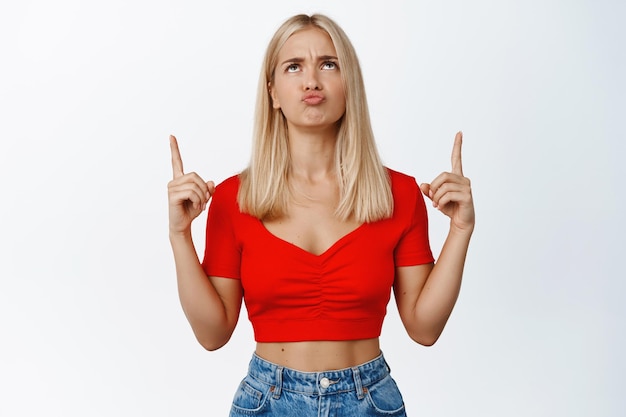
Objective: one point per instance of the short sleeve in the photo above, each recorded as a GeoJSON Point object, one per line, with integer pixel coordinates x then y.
{"type": "Point", "coordinates": [413, 247]}
{"type": "Point", "coordinates": [222, 253]}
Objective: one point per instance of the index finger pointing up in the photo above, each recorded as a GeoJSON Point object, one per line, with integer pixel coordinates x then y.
{"type": "Point", "coordinates": [457, 167]}
{"type": "Point", "coordinates": [177, 162]}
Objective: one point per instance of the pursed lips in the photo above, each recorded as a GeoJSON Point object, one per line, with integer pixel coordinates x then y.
{"type": "Point", "coordinates": [313, 98]}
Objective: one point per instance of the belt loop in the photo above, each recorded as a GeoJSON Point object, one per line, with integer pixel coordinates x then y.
{"type": "Point", "coordinates": [387, 365]}
{"type": "Point", "coordinates": [356, 374]}
{"type": "Point", "coordinates": [279, 383]}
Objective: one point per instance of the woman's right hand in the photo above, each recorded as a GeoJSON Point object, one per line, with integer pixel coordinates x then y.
{"type": "Point", "coordinates": [188, 194]}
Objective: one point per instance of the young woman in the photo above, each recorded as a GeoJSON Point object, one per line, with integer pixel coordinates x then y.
{"type": "Point", "coordinates": [314, 234]}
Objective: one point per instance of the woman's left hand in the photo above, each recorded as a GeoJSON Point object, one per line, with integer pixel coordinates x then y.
{"type": "Point", "coordinates": [451, 192]}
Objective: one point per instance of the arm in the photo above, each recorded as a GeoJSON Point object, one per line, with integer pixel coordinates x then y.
{"type": "Point", "coordinates": [211, 305]}
{"type": "Point", "coordinates": [426, 294]}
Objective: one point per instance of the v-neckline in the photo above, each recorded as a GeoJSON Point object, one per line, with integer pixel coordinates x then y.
{"type": "Point", "coordinates": [324, 253]}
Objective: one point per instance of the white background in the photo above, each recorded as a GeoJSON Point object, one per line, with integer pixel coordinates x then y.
{"type": "Point", "coordinates": [90, 323]}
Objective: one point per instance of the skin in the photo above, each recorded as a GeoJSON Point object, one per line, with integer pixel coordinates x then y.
{"type": "Point", "coordinates": [425, 294]}
{"type": "Point", "coordinates": [308, 67]}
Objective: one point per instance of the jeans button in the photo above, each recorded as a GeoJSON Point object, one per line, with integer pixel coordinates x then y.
{"type": "Point", "coordinates": [324, 383]}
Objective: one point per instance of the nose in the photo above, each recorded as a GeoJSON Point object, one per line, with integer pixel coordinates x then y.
{"type": "Point", "coordinates": [312, 81]}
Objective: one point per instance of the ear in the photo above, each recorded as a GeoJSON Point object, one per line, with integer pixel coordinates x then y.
{"type": "Point", "coordinates": [275, 102]}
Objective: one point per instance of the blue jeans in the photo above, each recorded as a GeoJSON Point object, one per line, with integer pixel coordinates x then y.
{"type": "Point", "coordinates": [270, 390]}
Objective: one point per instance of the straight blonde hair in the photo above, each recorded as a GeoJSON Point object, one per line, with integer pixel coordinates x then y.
{"type": "Point", "coordinates": [365, 189]}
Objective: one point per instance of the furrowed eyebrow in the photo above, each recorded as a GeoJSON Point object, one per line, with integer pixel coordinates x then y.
{"type": "Point", "coordinates": [292, 60]}
{"type": "Point", "coordinates": [297, 60]}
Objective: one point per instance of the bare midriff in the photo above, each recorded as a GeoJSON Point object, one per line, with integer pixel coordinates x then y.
{"type": "Point", "coordinates": [317, 356]}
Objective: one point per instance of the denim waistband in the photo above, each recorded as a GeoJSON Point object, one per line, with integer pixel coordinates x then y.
{"type": "Point", "coordinates": [325, 382]}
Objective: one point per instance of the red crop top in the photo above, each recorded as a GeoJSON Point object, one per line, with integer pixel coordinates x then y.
{"type": "Point", "coordinates": [292, 295]}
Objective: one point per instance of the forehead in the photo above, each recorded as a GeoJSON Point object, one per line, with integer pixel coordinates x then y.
{"type": "Point", "coordinates": [307, 42]}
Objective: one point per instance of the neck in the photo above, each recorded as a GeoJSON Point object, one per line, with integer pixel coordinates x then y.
{"type": "Point", "coordinates": [312, 154]}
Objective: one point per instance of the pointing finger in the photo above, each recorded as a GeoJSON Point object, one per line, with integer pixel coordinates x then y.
{"type": "Point", "coordinates": [457, 167]}
{"type": "Point", "coordinates": [177, 162]}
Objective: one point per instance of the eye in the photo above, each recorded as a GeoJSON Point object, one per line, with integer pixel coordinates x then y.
{"type": "Point", "coordinates": [329, 65]}
{"type": "Point", "coordinates": [292, 68]}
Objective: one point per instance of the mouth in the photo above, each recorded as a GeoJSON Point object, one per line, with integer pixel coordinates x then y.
{"type": "Point", "coordinates": [313, 99]}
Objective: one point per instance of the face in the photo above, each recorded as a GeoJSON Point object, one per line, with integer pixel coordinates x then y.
{"type": "Point", "coordinates": [307, 84]}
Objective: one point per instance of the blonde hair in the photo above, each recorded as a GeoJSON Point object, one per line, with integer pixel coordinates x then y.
{"type": "Point", "coordinates": [365, 189]}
